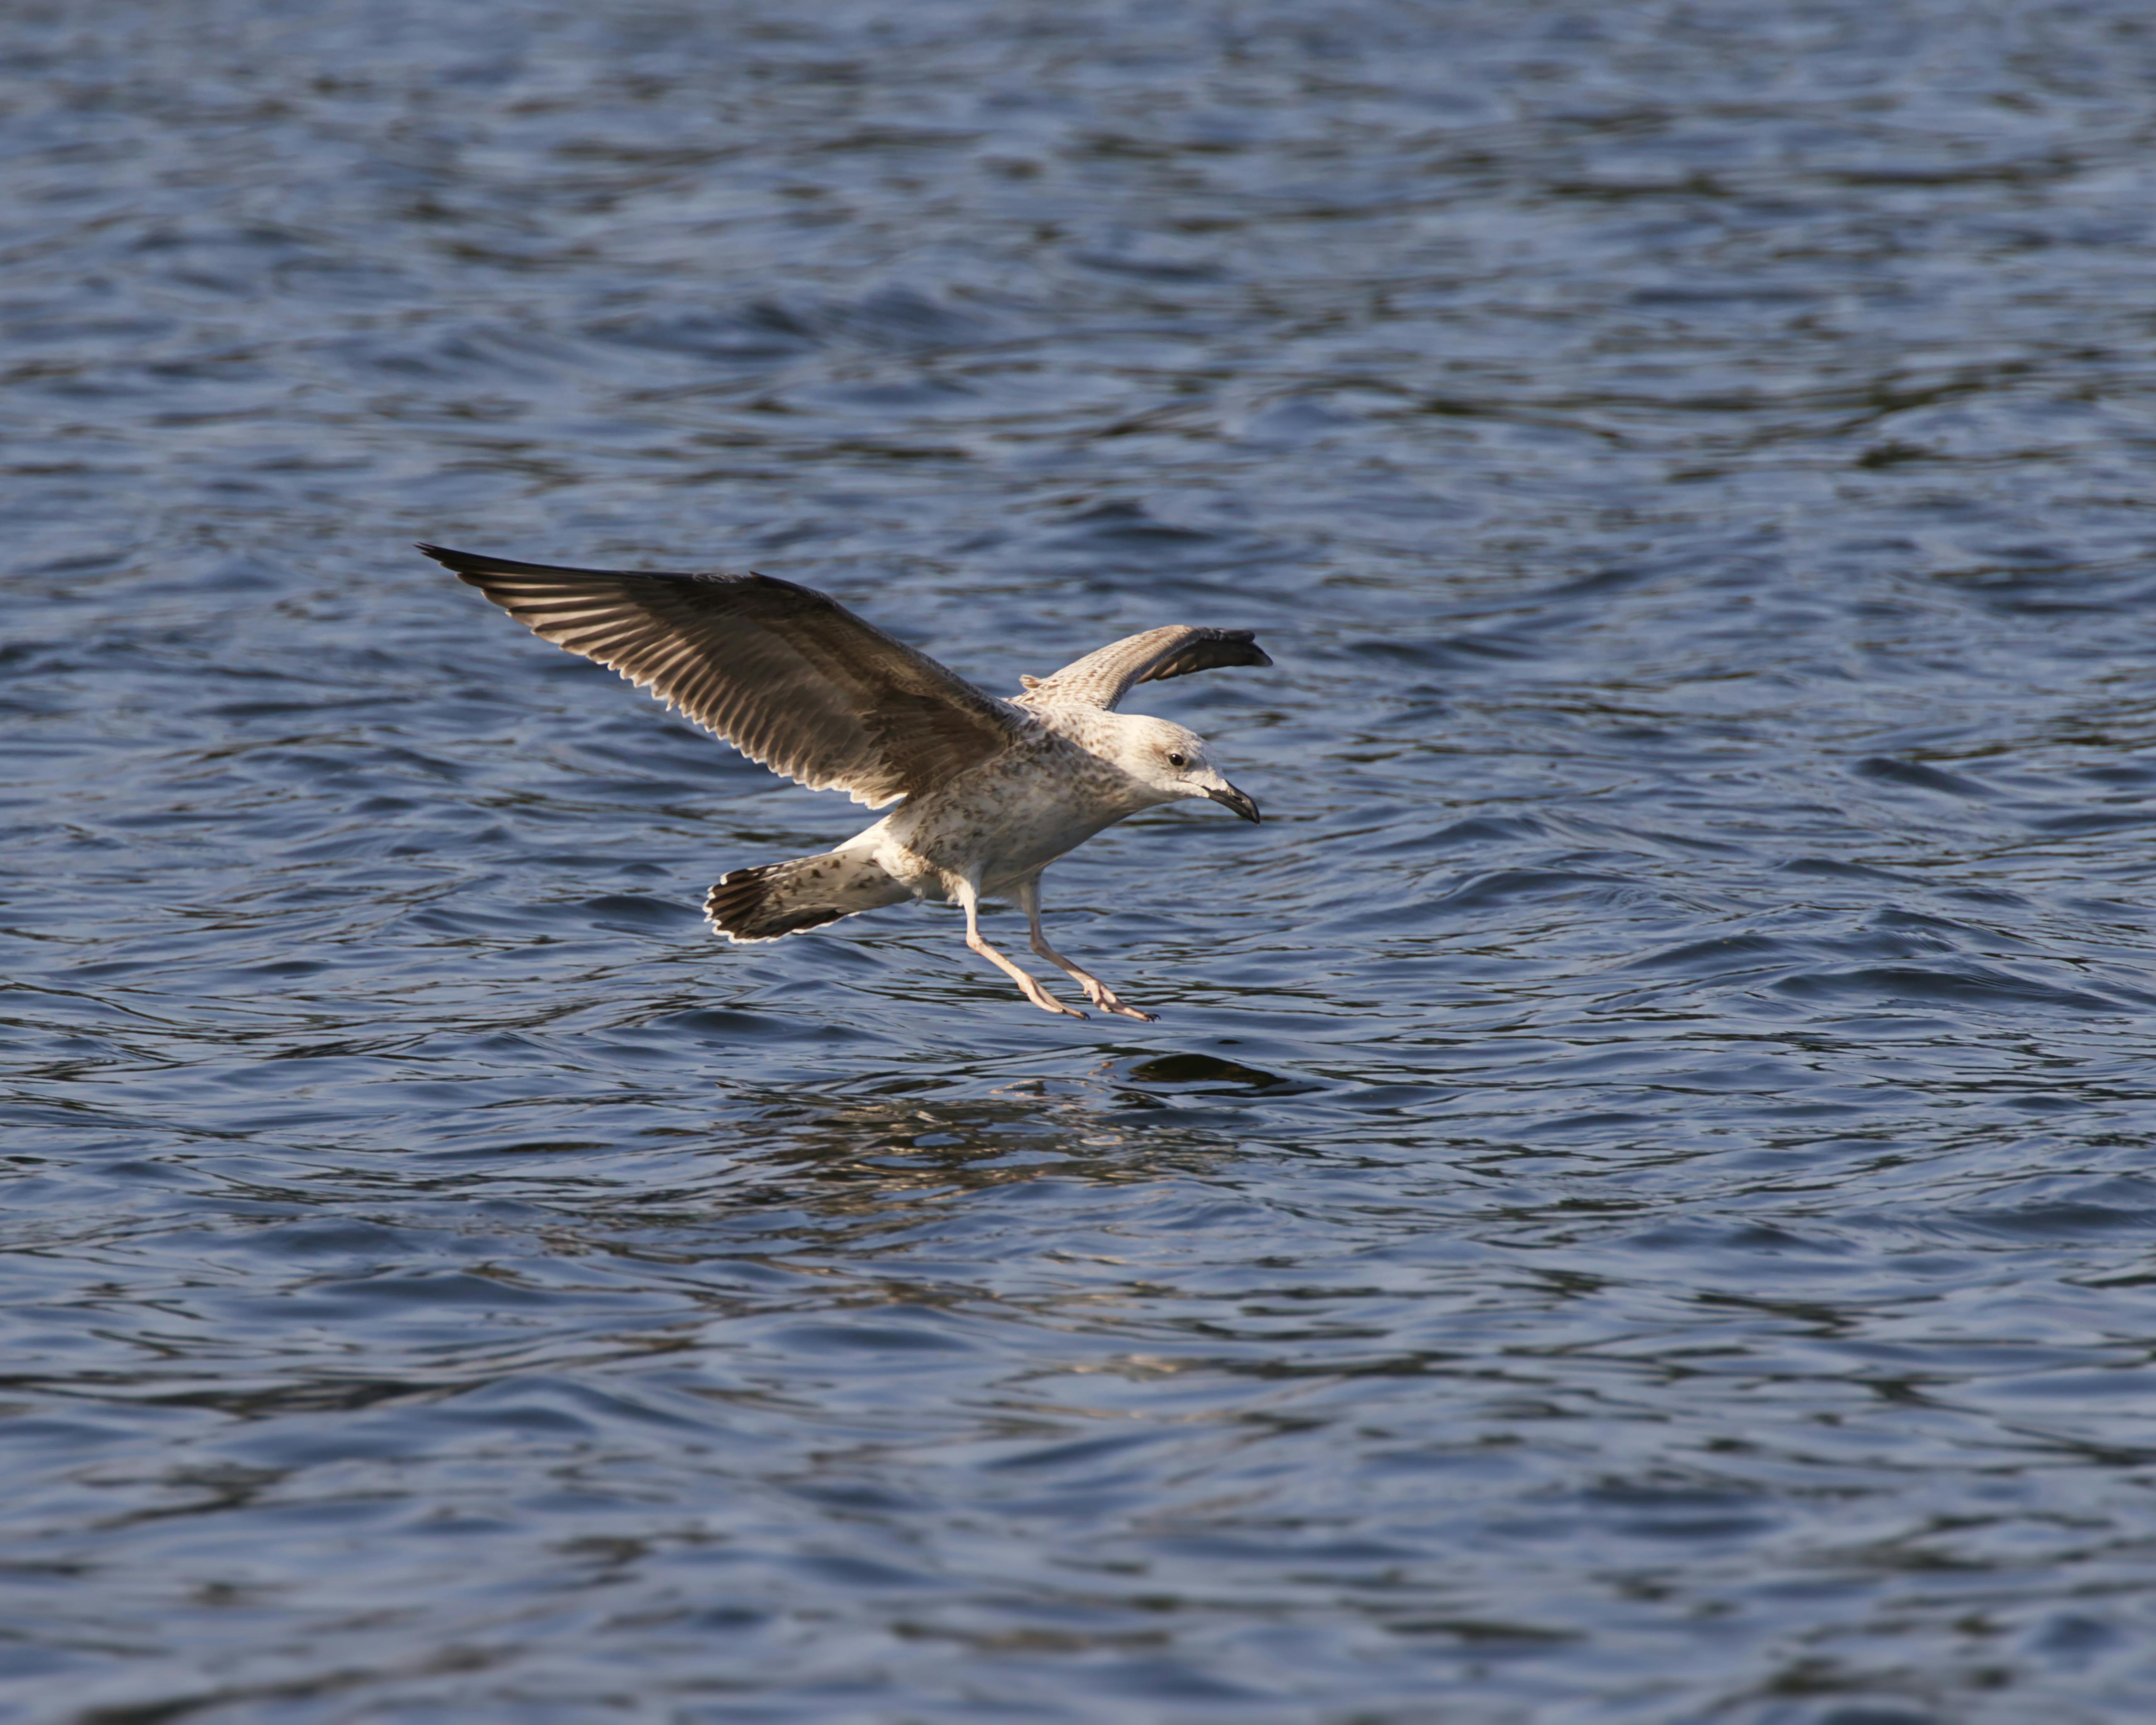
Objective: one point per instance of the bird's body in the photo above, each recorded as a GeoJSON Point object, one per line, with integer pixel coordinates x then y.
{"type": "Point", "coordinates": [1048, 794]}
{"type": "Point", "coordinates": [992, 790]}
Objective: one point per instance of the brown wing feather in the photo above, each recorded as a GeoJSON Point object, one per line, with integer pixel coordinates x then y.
{"type": "Point", "coordinates": [1103, 678]}
{"type": "Point", "coordinates": [788, 676]}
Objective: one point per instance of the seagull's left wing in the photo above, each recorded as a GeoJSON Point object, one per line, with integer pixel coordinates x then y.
{"type": "Point", "coordinates": [787, 676]}
{"type": "Point", "coordinates": [1103, 678]}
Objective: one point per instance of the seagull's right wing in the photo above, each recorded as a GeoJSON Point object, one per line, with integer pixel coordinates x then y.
{"type": "Point", "coordinates": [1103, 678]}
{"type": "Point", "coordinates": [792, 679]}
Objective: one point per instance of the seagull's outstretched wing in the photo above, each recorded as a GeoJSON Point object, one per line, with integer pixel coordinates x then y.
{"type": "Point", "coordinates": [792, 679]}
{"type": "Point", "coordinates": [1103, 678]}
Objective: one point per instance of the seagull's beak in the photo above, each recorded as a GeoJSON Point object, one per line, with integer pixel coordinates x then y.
{"type": "Point", "coordinates": [1228, 797]}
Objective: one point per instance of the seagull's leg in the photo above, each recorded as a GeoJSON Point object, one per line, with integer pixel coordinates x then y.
{"type": "Point", "coordinates": [969, 897]}
{"type": "Point", "coordinates": [1096, 991]}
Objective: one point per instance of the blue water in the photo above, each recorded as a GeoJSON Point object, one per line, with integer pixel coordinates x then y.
{"type": "Point", "coordinates": [1638, 1206]}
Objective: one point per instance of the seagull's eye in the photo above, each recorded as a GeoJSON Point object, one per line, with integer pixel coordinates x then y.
{"type": "Point", "coordinates": [1177, 761]}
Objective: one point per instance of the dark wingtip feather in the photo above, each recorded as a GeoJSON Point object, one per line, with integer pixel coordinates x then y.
{"type": "Point", "coordinates": [470, 564]}
{"type": "Point", "coordinates": [468, 567]}
{"type": "Point", "coordinates": [1213, 650]}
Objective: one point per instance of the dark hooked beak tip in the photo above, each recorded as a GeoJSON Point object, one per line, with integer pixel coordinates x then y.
{"type": "Point", "coordinates": [1233, 799]}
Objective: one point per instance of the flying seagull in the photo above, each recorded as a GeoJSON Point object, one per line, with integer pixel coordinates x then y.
{"type": "Point", "coordinates": [989, 792]}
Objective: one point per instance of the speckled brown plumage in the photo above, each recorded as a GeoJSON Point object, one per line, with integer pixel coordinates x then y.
{"type": "Point", "coordinates": [994, 790]}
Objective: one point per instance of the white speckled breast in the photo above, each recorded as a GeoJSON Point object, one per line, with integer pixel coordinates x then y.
{"type": "Point", "coordinates": [1015, 813]}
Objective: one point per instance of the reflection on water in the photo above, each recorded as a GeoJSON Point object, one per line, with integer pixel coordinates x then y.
{"type": "Point", "coordinates": [1637, 1205]}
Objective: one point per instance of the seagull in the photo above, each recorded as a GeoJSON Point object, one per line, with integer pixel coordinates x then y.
{"type": "Point", "coordinates": [989, 792]}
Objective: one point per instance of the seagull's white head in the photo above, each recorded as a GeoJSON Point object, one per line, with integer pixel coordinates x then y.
{"type": "Point", "coordinates": [1171, 762]}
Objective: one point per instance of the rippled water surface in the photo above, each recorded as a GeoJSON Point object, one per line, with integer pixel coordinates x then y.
{"type": "Point", "coordinates": [1638, 1205]}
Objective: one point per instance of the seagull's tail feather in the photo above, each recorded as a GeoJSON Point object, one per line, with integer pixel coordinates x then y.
{"type": "Point", "coordinates": [784, 898]}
